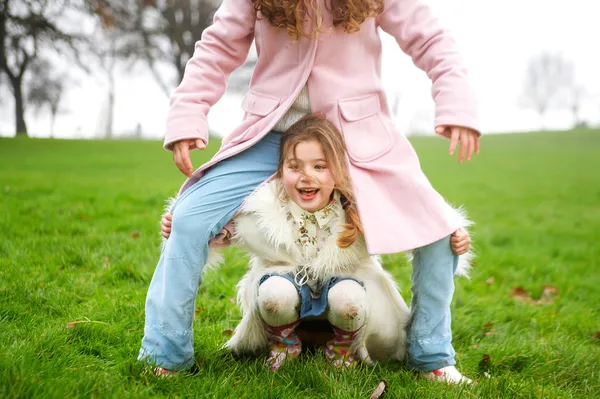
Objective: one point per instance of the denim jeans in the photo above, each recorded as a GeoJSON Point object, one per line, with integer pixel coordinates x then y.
{"type": "Point", "coordinates": [429, 334]}
{"type": "Point", "coordinates": [199, 214]}
{"type": "Point", "coordinates": [202, 211]}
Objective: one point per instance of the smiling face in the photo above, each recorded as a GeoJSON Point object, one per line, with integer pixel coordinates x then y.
{"type": "Point", "coordinates": [306, 177]}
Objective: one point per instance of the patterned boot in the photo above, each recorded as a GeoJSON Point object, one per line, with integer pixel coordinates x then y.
{"type": "Point", "coordinates": [338, 350]}
{"type": "Point", "coordinates": [284, 345]}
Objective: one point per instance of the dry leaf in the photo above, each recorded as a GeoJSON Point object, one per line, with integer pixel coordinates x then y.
{"type": "Point", "coordinates": [548, 294]}
{"type": "Point", "coordinates": [550, 290]}
{"type": "Point", "coordinates": [475, 346]}
{"type": "Point", "coordinates": [520, 294]}
{"type": "Point", "coordinates": [380, 390]}
{"type": "Point", "coordinates": [228, 332]}
{"type": "Point", "coordinates": [490, 333]}
{"type": "Point", "coordinates": [488, 326]}
{"type": "Point", "coordinates": [597, 335]}
{"type": "Point", "coordinates": [71, 324]}
{"type": "Point", "coordinates": [490, 280]}
{"type": "Point", "coordinates": [83, 216]}
{"type": "Point", "coordinates": [232, 300]}
{"type": "Point", "coordinates": [485, 361]}
{"type": "Point", "coordinates": [135, 234]}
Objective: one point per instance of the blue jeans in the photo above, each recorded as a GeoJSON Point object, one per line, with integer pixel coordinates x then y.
{"type": "Point", "coordinates": [429, 335]}
{"type": "Point", "coordinates": [199, 214]}
{"type": "Point", "coordinates": [202, 211]}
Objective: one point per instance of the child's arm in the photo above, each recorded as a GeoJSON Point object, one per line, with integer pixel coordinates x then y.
{"type": "Point", "coordinates": [223, 48]}
{"type": "Point", "coordinates": [460, 240]}
{"type": "Point", "coordinates": [431, 48]}
{"type": "Point", "coordinates": [224, 238]}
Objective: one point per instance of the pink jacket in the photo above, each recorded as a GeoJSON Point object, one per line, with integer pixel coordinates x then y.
{"type": "Point", "coordinates": [398, 207]}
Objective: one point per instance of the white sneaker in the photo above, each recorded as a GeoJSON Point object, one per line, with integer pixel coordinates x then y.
{"type": "Point", "coordinates": [447, 374]}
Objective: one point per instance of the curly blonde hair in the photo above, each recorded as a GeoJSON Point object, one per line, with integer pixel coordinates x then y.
{"type": "Point", "coordinates": [290, 14]}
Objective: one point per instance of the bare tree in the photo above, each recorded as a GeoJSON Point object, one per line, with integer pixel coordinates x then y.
{"type": "Point", "coordinates": [575, 97]}
{"type": "Point", "coordinates": [46, 90]}
{"type": "Point", "coordinates": [164, 32]}
{"type": "Point", "coordinates": [26, 28]}
{"type": "Point", "coordinates": [547, 77]}
{"type": "Point", "coordinates": [111, 35]}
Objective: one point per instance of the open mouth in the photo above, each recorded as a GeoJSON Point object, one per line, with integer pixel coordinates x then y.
{"type": "Point", "coordinates": [308, 194]}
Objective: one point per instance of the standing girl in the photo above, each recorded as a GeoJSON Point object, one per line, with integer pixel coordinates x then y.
{"type": "Point", "coordinates": [320, 56]}
{"type": "Point", "coordinates": [309, 259]}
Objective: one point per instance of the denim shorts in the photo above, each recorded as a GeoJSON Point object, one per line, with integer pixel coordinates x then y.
{"type": "Point", "coordinates": [311, 306]}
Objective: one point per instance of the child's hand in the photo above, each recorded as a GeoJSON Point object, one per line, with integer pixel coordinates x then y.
{"type": "Point", "coordinates": [181, 154]}
{"type": "Point", "coordinates": [469, 140]}
{"type": "Point", "coordinates": [460, 242]}
{"type": "Point", "coordinates": [165, 225]}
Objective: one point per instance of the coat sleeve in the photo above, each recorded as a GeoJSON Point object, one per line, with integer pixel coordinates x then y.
{"type": "Point", "coordinates": [420, 35]}
{"type": "Point", "coordinates": [223, 47]}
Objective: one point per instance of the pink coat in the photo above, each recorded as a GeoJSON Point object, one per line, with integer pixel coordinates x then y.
{"type": "Point", "coordinates": [398, 206]}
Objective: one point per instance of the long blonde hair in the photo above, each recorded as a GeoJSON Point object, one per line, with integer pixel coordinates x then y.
{"type": "Point", "coordinates": [317, 127]}
{"type": "Point", "coordinates": [290, 14]}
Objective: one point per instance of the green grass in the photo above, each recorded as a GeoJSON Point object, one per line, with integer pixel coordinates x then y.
{"type": "Point", "coordinates": [79, 242]}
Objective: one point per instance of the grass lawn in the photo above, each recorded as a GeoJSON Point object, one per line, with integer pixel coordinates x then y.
{"type": "Point", "coordinates": [79, 243]}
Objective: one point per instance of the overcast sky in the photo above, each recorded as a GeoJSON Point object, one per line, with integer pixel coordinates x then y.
{"type": "Point", "coordinates": [496, 37]}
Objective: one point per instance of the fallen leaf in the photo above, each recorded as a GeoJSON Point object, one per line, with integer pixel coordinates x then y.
{"type": "Point", "coordinates": [548, 294]}
{"type": "Point", "coordinates": [228, 332]}
{"type": "Point", "coordinates": [550, 290]}
{"type": "Point", "coordinates": [232, 300]}
{"type": "Point", "coordinates": [490, 280]}
{"type": "Point", "coordinates": [597, 335]}
{"type": "Point", "coordinates": [490, 333]}
{"type": "Point", "coordinates": [71, 324]}
{"type": "Point", "coordinates": [485, 361]}
{"type": "Point", "coordinates": [380, 390]}
{"type": "Point", "coordinates": [488, 326]}
{"type": "Point", "coordinates": [520, 294]}
{"type": "Point", "coordinates": [135, 234]}
{"type": "Point", "coordinates": [83, 216]}
{"type": "Point", "coordinates": [475, 346]}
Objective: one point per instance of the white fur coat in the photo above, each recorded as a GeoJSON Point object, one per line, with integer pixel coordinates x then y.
{"type": "Point", "coordinates": [263, 228]}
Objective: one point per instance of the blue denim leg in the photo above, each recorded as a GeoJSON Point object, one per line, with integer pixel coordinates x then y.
{"type": "Point", "coordinates": [198, 215]}
{"type": "Point", "coordinates": [429, 335]}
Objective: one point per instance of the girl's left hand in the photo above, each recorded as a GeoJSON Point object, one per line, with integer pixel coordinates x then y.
{"type": "Point", "coordinates": [460, 242]}
{"type": "Point", "coordinates": [469, 140]}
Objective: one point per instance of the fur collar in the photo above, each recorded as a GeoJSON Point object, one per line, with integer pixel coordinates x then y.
{"type": "Point", "coordinates": [263, 226]}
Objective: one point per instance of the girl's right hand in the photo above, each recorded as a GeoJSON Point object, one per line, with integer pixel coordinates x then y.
{"type": "Point", "coordinates": [165, 225]}
{"type": "Point", "coordinates": [181, 154]}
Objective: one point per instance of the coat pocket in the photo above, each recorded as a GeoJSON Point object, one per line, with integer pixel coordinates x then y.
{"type": "Point", "coordinates": [367, 138]}
{"type": "Point", "coordinates": [256, 107]}
{"type": "Point", "coordinates": [259, 104]}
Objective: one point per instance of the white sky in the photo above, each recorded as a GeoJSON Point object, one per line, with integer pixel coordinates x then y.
{"type": "Point", "coordinates": [496, 37]}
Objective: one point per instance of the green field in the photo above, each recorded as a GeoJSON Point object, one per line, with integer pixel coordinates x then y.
{"type": "Point", "coordinates": [79, 242]}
